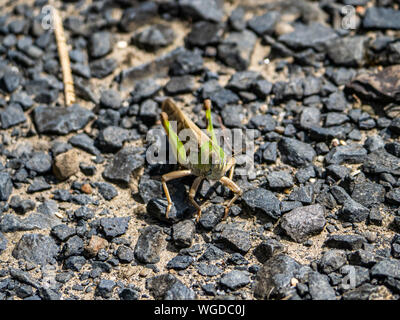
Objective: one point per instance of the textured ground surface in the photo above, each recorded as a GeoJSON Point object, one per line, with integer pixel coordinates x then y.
{"type": "Point", "coordinates": [81, 211]}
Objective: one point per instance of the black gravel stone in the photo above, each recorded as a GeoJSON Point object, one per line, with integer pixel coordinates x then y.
{"type": "Point", "coordinates": [380, 161]}
{"type": "Point", "coordinates": [264, 24]}
{"type": "Point", "coordinates": [124, 162]}
{"type": "Point", "coordinates": [38, 184]}
{"type": "Point", "coordinates": [262, 201]}
{"type": "Point", "coordinates": [332, 260]}
{"type": "Point", "coordinates": [183, 233]}
{"type": "Point", "coordinates": [315, 36]}
{"type": "Point", "coordinates": [262, 122]}
{"type": "Point", "coordinates": [222, 97]}
{"type": "Point", "coordinates": [346, 154]}
{"type": "Point", "coordinates": [102, 68]}
{"type": "Point", "coordinates": [211, 10]}
{"type": "Point", "coordinates": [236, 239]}
{"type": "Point", "coordinates": [100, 44]}
{"type": "Point", "coordinates": [267, 249]}
{"type": "Point", "coordinates": [168, 287]}
{"type": "Point", "coordinates": [84, 213]}
{"type": "Point", "coordinates": [393, 148]}
{"type": "Point", "coordinates": [62, 232]}
{"type": "Point", "coordinates": [154, 37]}
{"type": "Point", "coordinates": [180, 85]}
{"type": "Point", "coordinates": [6, 186]}
{"type": "Point", "coordinates": [204, 33]}
{"type": "Point", "coordinates": [40, 162]}
{"type": "Point", "coordinates": [21, 206]}
{"type": "Point", "coordinates": [348, 51]}
{"type": "Point", "coordinates": [362, 258]}
{"type": "Point", "coordinates": [105, 288]}
{"type": "Point", "coordinates": [74, 263]}
{"type": "Point", "coordinates": [280, 180]}
{"type": "Point", "coordinates": [209, 270]}
{"type": "Point", "coordinates": [73, 247]}
{"type": "Point", "coordinates": [180, 262]}
{"type": "Point", "coordinates": [345, 241]}
{"type": "Point", "coordinates": [129, 294]}
{"type": "Point", "coordinates": [368, 193]}
{"type": "Point", "coordinates": [61, 121]}
{"type": "Point", "coordinates": [187, 62]}
{"type": "Point", "coordinates": [302, 223]}
{"type": "Point", "coordinates": [84, 142]}
{"type": "Point", "coordinates": [319, 287]}
{"type": "Point", "coordinates": [212, 253]}
{"type": "Point", "coordinates": [381, 18]}
{"type": "Point", "coordinates": [211, 216]}
{"type": "Point", "coordinates": [36, 248]}
{"type": "Point", "coordinates": [393, 196]}
{"type": "Point", "coordinates": [274, 277]}
{"type": "Point", "coordinates": [125, 254]}
{"type": "Point", "coordinates": [237, 48]}
{"type": "Point", "coordinates": [107, 191]}
{"type": "Point", "coordinates": [296, 153]}
{"type": "Point", "coordinates": [134, 17]}
{"type": "Point", "coordinates": [149, 245]}
{"type": "Point", "coordinates": [110, 99]}
{"type": "Point", "coordinates": [235, 279]}
{"type": "Point", "coordinates": [114, 227]}
{"type": "Point", "coordinates": [386, 268]}
{"type": "Point", "coordinates": [11, 116]}
{"type": "Point", "coordinates": [352, 211]}
{"type": "Point", "coordinates": [144, 89]}
{"type": "Point", "coordinates": [3, 243]}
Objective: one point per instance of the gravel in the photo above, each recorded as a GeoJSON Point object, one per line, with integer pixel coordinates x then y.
{"type": "Point", "coordinates": [82, 209]}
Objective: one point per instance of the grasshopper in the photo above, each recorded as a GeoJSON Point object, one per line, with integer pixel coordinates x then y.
{"type": "Point", "coordinates": [208, 149]}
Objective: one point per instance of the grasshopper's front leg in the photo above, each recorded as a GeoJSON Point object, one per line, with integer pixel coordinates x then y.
{"type": "Point", "coordinates": [168, 177]}
{"type": "Point", "coordinates": [192, 194]}
{"type": "Point", "coordinates": [235, 189]}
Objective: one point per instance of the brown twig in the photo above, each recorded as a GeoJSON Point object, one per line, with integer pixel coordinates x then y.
{"type": "Point", "coordinates": [69, 93]}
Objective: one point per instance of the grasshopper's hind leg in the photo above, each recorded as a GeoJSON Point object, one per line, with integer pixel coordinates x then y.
{"type": "Point", "coordinates": [192, 194]}
{"type": "Point", "coordinates": [168, 177]}
{"type": "Point", "coordinates": [235, 189]}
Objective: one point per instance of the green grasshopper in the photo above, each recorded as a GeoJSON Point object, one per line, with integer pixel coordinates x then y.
{"type": "Point", "coordinates": [209, 149]}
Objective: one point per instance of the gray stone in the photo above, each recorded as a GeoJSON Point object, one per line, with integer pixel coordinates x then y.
{"type": "Point", "coordinates": [237, 48]}
{"type": "Point", "coordinates": [124, 162]}
{"type": "Point", "coordinates": [319, 287]}
{"type": "Point", "coordinates": [168, 287]}
{"type": "Point", "coordinates": [236, 239]}
{"type": "Point", "coordinates": [211, 10]}
{"type": "Point", "coordinates": [296, 153]}
{"type": "Point", "coordinates": [11, 116]}
{"type": "Point", "coordinates": [114, 227]}
{"type": "Point", "coordinates": [264, 24]}
{"type": "Point", "coordinates": [352, 211]}
{"type": "Point", "coordinates": [36, 248]}
{"type": "Point", "coordinates": [6, 186]}
{"type": "Point", "coordinates": [149, 245]}
{"type": "Point", "coordinates": [60, 120]}
{"type": "Point", "coordinates": [262, 201]}
{"type": "Point", "coordinates": [183, 233]}
{"type": "Point", "coordinates": [314, 36]}
{"type": "Point", "coordinates": [349, 51]}
{"type": "Point", "coordinates": [235, 279]}
{"type": "Point", "coordinates": [332, 260]}
{"type": "Point", "coordinates": [345, 241]}
{"type": "Point", "coordinates": [381, 18]}
{"type": "Point", "coordinates": [302, 223]}
{"type": "Point", "coordinates": [274, 277]}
